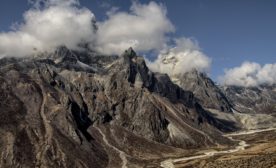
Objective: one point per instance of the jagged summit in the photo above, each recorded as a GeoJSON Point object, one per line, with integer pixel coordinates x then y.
{"type": "Point", "coordinates": [130, 53]}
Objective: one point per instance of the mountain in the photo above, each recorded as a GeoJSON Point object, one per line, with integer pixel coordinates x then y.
{"type": "Point", "coordinates": [207, 93]}
{"type": "Point", "coordinates": [261, 99]}
{"type": "Point", "coordinates": [204, 89]}
{"type": "Point", "coordinates": [243, 107]}
{"type": "Point", "coordinates": [255, 107]}
{"type": "Point", "coordinates": [81, 109]}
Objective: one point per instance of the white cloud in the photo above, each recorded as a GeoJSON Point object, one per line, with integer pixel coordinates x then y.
{"type": "Point", "coordinates": [144, 28]}
{"type": "Point", "coordinates": [48, 3]}
{"type": "Point", "coordinates": [53, 23]}
{"type": "Point", "coordinates": [184, 57]}
{"type": "Point", "coordinates": [250, 74]}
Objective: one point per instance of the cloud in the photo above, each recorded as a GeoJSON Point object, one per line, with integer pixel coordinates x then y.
{"type": "Point", "coordinates": [184, 57]}
{"type": "Point", "coordinates": [48, 3]}
{"type": "Point", "coordinates": [250, 74]}
{"type": "Point", "coordinates": [49, 24]}
{"type": "Point", "coordinates": [144, 28]}
{"type": "Point", "coordinates": [52, 23]}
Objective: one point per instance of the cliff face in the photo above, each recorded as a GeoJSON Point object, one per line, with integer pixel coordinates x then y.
{"type": "Point", "coordinates": [79, 109]}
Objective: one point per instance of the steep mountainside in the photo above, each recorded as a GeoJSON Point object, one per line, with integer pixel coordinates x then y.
{"type": "Point", "coordinates": [79, 109]}
{"type": "Point", "coordinates": [204, 89]}
{"type": "Point", "coordinates": [206, 92]}
{"type": "Point", "coordinates": [248, 108]}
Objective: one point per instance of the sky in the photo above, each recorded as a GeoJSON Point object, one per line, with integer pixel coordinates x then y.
{"type": "Point", "coordinates": [234, 35]}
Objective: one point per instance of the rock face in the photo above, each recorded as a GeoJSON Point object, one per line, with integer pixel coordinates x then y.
{"type": "Point", "coordinates": [79, 109]}
{"type": "Point", "coordinates": [261, 99]}
{"type": "Point", "coordinates": [254, 106]}
{"type": "Point", "coordinates": [204, 89]}
{"type": "Point", "coordinates": [206, 92]}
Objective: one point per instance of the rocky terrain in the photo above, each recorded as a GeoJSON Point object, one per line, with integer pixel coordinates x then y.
{"type": "Point", "coordinates": [261, 99]}
{"type": "Point", "coordinates": [204, 89]}
{"type": "Point", "coordinates": [241, 107]}
{"type": "Point", "coordinates": [255, 107]}
{"type": "Point", "coordinates": [80, 109]}
{"type": "Point", "coordinates": [207, 93]}
{"type": "Point", "coordinates": [247, 107]}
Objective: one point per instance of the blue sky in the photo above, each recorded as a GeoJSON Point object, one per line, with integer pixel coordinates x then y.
{"type": "Point", "coordinates": [230, 32]}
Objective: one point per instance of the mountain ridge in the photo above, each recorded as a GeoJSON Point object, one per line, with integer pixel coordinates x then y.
{"type": "Point", "coordinates": [98, 106]}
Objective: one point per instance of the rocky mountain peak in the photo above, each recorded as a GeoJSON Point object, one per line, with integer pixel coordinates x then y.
{"type": "Point", "coordinates": [204, 89]}
{"type": "Point", "coordinates": [130, 53]}
{"type": "Point", "coordinates": [130, 57]}
{"type": "Point", "coordinates": [63, 54]}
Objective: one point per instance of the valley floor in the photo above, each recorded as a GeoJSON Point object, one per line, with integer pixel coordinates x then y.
{"type": "Point", "coordinates": [255, 149]}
